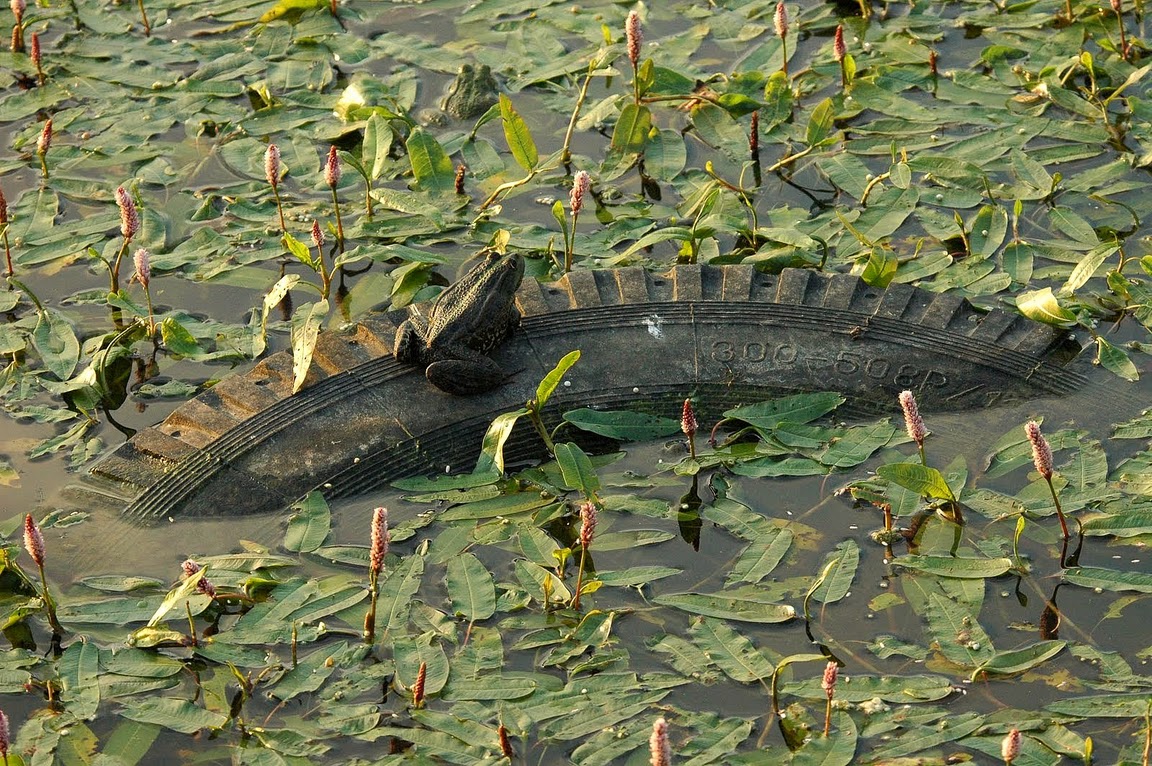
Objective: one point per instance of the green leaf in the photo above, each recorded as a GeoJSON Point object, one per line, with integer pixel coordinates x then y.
{"type": "Point", "coordinates": [632, 128]}
{"type": "Point", "coordinates": [962, 568]}
{"type": "Point", "coordinates": [1128, 705]}
{"type": "Point", "coordinates": [430, 164]}
{"type": "Point", "coordinates": [924, 481]}
{"type": "Point", "coordinates": [129, 742]}
{"type": "Point", "coordinates": [1087, 267]}
{"type": "Point", "coordinates": [377, 144]}
{"type": "Point", "coordinates": [491, 458]}
{"type": "Point", "coordinates": [309, 524]}
{"type": "Point", "coordinates": [177, 339]}
{"type": "Point", "coordinates": [79, 668]}
{"type": "Point", "coordinates": [1115, 360]}
{"type": "Point", "coordinates": [622, 424]}
{"type": "Point", "coordinates": [1042, 306]}
{"type": "Point", "coordinates": [518, 136]}
{"type": "Point", "coordinates": [54, 340]}
{"type": "Point", "coordinates": [837, 573]}
{"type": "Point", "coordinates": [761, 556]}
{"type": "Point", "coordinates": [732, 652]}
{"type": "Point", "coordinates": [306, 323]}
{"type": "Point", "coordinates": [175, 714]}
{"type": "Point", "coordinates": [820, 123]}
{"type": "Point", "coordinates": [552, 379]}
{"type": "Point", "coordinates": [298, 249]}
{"type": "Point", "coordinates": [857, 445]}
{"type": "Point", "coordinates": [577, 469]}
{"type": "Point", "coordinates": [800, 408]}
{"type": "Point", "coordinates": [1109, 579]}
{"type": "Point", "coordinates": [1020, 660]}
{"type": "Point", "coordinates": [471, 591]}
{"type": "Point", "coordinates": [396, 591]}
{"type": "Point", "coordinates": [728, 607]}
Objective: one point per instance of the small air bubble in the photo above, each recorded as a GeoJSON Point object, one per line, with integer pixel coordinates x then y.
{"type": "Point", "coordinates": [636, 389]}
{"type": "Point", "coordinates": [939, 196]}
{"type": "Point", "coordinates": [933, 137]}
{"type": "Point", "coordinates": [983, 232]}
{"type": "Point", "coordinates": [567, 384]}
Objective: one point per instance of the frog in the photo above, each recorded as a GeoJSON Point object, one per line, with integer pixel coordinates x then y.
{"type": "Point", "coordinates": [466, 322]}
{"type": "Point", "coordinates": [472, 93]}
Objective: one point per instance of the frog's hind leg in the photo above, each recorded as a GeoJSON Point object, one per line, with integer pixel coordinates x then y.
{"type": "Point", "coordinates": [463, 377]}
{"type": "Point", "coordinates": [409, 343]}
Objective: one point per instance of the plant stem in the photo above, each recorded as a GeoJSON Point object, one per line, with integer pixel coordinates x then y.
{"type": "Point", "coordinates": [114, 269]}
{"type": "Point", "coordinates": [49, 604]}
{"type": "Point", "coordinates": [8, 250]}
{"type": "Point", "coordinates": [566, 150]}
{"type": "Point", "coordinates": [279, 210]}
{"type": "Point", "coordinates": [144, 17]}
{"type": "Point", "coordinates": [339, 221]}
{"type": "Point", "coordinates": [1059, 510]}
{"type": "Point", "coordinates": [580, 577]}
{"type": "Point", "coordinates": [570, 243]}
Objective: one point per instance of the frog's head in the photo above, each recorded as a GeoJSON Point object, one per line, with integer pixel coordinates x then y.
{"type": "Point", "coordinates": [504, 273]}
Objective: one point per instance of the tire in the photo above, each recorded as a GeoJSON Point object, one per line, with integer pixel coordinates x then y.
{"type": "Point", "coordinates": [724, 335]}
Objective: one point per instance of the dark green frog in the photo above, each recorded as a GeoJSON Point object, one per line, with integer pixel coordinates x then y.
{"type": "Point", "coordinates": [465, 322]}
{"type": "Point", "coordinates": [471, 94]}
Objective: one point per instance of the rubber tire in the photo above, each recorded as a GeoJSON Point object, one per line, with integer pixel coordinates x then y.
{"type": "Point", "coordinates": [724, 335]}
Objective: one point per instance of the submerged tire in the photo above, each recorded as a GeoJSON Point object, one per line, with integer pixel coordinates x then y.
{"type": "Point", "coordinates": [724, 335]}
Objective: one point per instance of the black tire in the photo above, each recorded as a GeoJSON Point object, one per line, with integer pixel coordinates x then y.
{"type": "Point", "coordinates": [724, 335]}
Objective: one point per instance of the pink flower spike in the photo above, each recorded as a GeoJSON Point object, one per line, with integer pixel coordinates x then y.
{"type": "Point", "coordinates": [272, 165]}
{"type": "Point", "coordinates": [1041, 450]}
{"type": "Point", "coordinates": [658, 747]}
{"type": "Point", "coordinates": [44, 143]}
{"type": "Point", "coordinates": [831, 673]}
{"type": "Point", "coordinates": [5, 735]}
{"type": "Point", "coordinates": [1010, 746]}
{"type": "Point", "coordinates": [781, 21]}
{"type": "Point", "coordinates": [588, 515]}
{"type": "Point", "coordinates": [380, 539]}
{"type": "Point", "coordinates": [580, 184]}
{"type": "Point", "coordinates": [635, 36]}
{"type": "Point", "coordinates": [332, 168]}
{"type": "Point", "coordinates": [688, 422]}
{"type": "Point", "coordinates": [34, 49]}
{"type": "Point", "coordinates": [317, 235]}
{"type": "Point", "coordinates": [912, 420]}
{"type": "Point", "coordinates": [129, 217]}
{"type": "Point", "coordinates": [18, 7]}
{"type": "Point", "coordinates": [205, 587]}
{"type": "Point", "coordinates": [33, 540]}
{"type": "Point", "coordinates": [838, 47]}
{"type": "Point", "coordinates": [143, 261]}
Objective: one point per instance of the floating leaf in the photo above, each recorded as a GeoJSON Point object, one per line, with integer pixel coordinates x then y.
{"type": "Point", "coordinates": [621, 424]}
{"type": "Point", "coordinates": [728, 607]}
{"type": "Point", "coordinates": [1109, 579]}
{"type": "Point", "coordinates": [577, 469]}
{"type": "Point", "coordinates": [962, 568]}
{"type": "Point", "coordinates": [471, 590]}
{"type": "Point", "coordinates": [176, 714]}
{"type": "Point", "coordinates": [309, 524]}
{"type": "Point", "coordinates": [1019, 660]}
{"type": "Point", "coordinates": [923, 480]}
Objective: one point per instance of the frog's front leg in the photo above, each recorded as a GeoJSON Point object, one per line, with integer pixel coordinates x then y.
{"type": "Point", "coordinates": [465, 372]}
{"type": "Point", "coordinates": [410, 339]}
